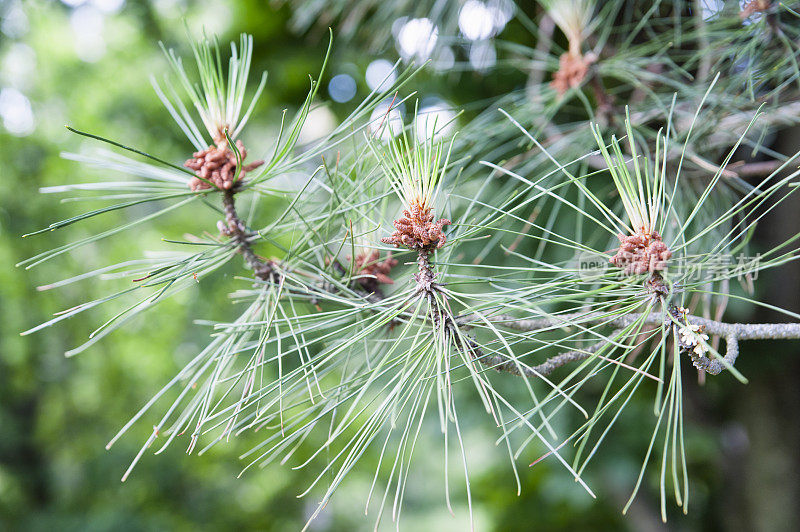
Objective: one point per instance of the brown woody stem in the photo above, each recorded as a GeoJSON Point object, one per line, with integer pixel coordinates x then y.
{"type": "Point", "coordinates": [240, 236]}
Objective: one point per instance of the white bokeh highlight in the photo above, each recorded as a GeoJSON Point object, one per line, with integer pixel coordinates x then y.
{"type": "Point", "coordinates": [14, 23]}
{"type": "Point", "coordinates": [502, 12]}
{"type": "Point", "coordinates": [482, 56]}
{"type": "Point", "coordinates": [386, 124]}
{"type": "Point", "coordinates": [320, 122]}
{"type": "Point", "coordinates": [109, 6]}
{"type": "Point", "coordinates": [380, 75]}
{"type": "Point", "coordinates": [16, 112]}
{"type": "Point", "coordinates": [417, 39]}
{"type": "Point", "coordinates": [479, 20]}
{"type": "Point", "coordinates": [476, 21]}
{"type": "Point", "coordinates": [87, 26]}
{"type": "Point", "coordinates": [18, 68]}
{"type": "Point", "coordinates": [445, 59]}
{"type": "Point", "coordinates": [435, 120]}
{"type": "Point", "coordinates": [342, 88]}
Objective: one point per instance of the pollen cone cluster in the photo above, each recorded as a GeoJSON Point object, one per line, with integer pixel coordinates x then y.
{"type": "Point", "coordinates": [641, 252]}
{"type": "Point", "coordinates": [572, 70]}
{"type": "Point", "coordinates": [753, 7]}
{"type": "Point", "coordinates": [217, 165]}
{"type": "Point", "coordinates": [368, 264]}
{"type": "Point", "coordinates": [417, 230]}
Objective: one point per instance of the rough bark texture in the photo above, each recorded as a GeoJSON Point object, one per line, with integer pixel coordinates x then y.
{"type": "Point", "coordinates": [237, 231]}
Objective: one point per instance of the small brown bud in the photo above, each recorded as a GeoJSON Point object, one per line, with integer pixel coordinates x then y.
{"type": "Point", "coordinates": [417, 230]}
{"type": "Point", "coordinates": [640, 253]}
{"type": "Point", "coordinates": [217, 164]}
{"type": "Point", "coordinates": [368, 263]}
{"type": "Point", "coordinates": [572, 70]}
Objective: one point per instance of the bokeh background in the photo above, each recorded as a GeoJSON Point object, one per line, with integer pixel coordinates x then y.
{"type": "Point", "coordinates": [88, 63]}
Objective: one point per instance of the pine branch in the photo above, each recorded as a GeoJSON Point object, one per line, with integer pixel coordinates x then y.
{"type": "Point", "coordinates": [240, 236]}
{"type": "Point", "coordinates": [732, 332]}
{"type": "Point", "coordinates": [503, 364]}
{"type": "Point", "coordinates": [743, 331]}
{"type": "Point", "coordinates": [236, 229]}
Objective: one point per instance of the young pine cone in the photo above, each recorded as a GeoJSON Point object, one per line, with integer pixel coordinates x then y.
{"type": "Point", "coordinates": [367, 264]}
{"type": "Point", "coordinates": [217, 165]}
{"type": "Point", "coordinates": [417, 230]}
{"type": "Point", "coordinates": [640, 253]}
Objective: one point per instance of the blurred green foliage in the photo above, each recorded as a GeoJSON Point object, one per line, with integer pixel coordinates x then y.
{"type": "Point", "coordinates": [57, 414]}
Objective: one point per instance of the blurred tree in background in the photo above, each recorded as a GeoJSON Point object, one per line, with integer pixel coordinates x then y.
{"type": "Point", "coordinates": [87, 63]}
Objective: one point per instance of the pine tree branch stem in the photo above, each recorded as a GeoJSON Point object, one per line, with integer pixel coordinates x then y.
{"type": "Point", "coordinates": [732, 332]}
{"type": "Point", "coordinates": [743, 331]}
{"type": "Point", "coordinates": [503, 364]}
{"type": "Point", "coordinates": [237, 231]}
{"type": "Point", "coordinates": [425, 277]}
{"type": "Point", "coordinates": [426, 285]}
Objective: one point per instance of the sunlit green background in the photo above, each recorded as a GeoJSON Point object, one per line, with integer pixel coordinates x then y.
{"type": "Point", "coordinates": [88, 63]}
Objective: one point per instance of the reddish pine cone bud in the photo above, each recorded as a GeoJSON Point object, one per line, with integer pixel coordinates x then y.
{"type": "Point", "coordinates": [753, 7]}
{"type": "Point", "coordinates": [367, 263]}
{"type": "Point", "coordinates": [572, 69]}
{"type": "Point", "coordinates": [217, 165]}
{"type": "Point", "coordinates": [417, 230]}
{"type": "Point", "coordinates": [639, 253]}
